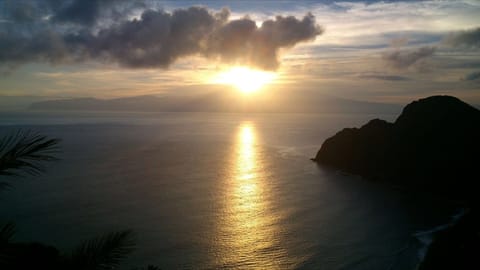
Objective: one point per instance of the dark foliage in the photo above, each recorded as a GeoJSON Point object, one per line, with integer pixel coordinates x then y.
{"type": "Point", "coordinates": [22, 153]}
{"type": "Point", "coordinates": [105, 252]}
{"type": "Point", "coordinates": [6, 232]}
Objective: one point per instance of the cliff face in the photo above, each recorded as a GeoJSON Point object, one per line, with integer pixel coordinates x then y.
{"type": "Point", "coordinates": [433, 145]}
{"type": "Point", "coordinates": [359, 151]}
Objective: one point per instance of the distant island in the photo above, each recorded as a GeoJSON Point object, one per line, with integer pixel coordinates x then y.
{"type": "Point", "coordinates": [225, 100]}
{"type": "Point", "coordinates": [434, 147]}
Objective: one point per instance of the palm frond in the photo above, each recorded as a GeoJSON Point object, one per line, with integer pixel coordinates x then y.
{"type": "Point", "coordinates": [6, 232]}
{"type": "Point", "coordinates": [103, 252]}
{"type": "Point", "coordinates": [23, 151]}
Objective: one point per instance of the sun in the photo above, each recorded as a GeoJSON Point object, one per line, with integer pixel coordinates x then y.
{"type": "Point", "coordinates": [245, 79]}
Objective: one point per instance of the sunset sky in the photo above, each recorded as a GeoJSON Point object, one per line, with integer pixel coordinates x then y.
{"type": "Point", "coordinates": [366, 50]}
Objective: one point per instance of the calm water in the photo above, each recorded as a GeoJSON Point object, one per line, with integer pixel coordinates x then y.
{"type": "Point", "coordinates": [209, 191]}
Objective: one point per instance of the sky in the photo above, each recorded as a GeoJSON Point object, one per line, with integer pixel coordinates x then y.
{"type": "Point", "coordinates": [383, 51]}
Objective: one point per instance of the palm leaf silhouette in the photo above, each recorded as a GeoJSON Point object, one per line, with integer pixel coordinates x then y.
{"type": "Point", "coordinates": [6, 232]}
{"type": "Point", "coordinates": [22, 152]}
{"type": "Point", "coordinates": [105, 252]}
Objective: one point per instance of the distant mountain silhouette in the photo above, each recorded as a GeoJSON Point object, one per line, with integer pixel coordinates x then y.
{"type": "Point", "coordinates": [433, 145]}
{"type": "Point", "coordinates": [18, 103]}
{"type": "Point", "coordinates": [223, 101]}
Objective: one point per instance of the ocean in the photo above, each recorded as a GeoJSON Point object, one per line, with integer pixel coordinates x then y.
{"type": "Point", "coordinates": [215, 191]}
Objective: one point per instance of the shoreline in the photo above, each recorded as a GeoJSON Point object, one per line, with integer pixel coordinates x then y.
{"type": "Point", "coordinates": [429, 237]}
{"type": "Point", "coordinates": [455, 246]}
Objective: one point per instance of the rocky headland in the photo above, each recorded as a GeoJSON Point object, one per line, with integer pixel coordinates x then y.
{"type": "Point", "coordinates": [434, 147]}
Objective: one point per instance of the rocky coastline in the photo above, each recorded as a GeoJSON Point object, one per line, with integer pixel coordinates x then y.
{"type": "Point", "coordinates": [433, 147]}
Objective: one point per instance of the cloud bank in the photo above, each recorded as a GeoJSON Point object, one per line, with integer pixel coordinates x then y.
{"type": "Point", "coordinates": [384, 77]}
{"type": "Point", "coordinates": [469, 39]}
{"type": "Point", "coordinates": [76, 31]}
{"type": "Point", "coordinates": [404, 59]}
{"type": "Point", "coordinates": [472, 76]}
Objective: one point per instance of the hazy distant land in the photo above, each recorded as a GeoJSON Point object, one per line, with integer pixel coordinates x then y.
{"type": "Point", "coordinates": [219, 101]}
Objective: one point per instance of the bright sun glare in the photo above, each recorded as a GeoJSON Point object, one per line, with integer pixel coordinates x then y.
{"type": "Point", "coordinates": [245, 79]}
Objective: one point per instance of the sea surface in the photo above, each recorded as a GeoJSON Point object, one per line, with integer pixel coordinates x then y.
{"type": "Point", "coordinates": [214, 191]}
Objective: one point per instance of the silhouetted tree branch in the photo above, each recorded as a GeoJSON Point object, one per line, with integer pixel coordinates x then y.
{"type": "Point", "coordinates": [103, 252]}
{"type": "Point", "coordinates": [23, 152]}
{"type": "Point", "coordinates": [6, 232]}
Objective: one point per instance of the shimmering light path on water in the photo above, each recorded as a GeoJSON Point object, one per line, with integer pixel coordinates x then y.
{"type": "Point", "coordinates": [248, 230]}
{"type": "Point", "coordinates": [213, 191]}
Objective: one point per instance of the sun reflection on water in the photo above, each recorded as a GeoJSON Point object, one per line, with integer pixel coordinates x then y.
{"type": "Point", "coordinates": [248, 231]}
{"type": "Point", "coordinates": [247, 202]}
{"type": "Point", "coordinates": [246, 159]}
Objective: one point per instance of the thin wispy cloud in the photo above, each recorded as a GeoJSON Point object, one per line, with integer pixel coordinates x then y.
{"type": "Point", "coordinates": [474, 76]}
{"type": "Point", "coordinates": [403, 59]}
{"type": "Point", "coordinates": [384, 77]}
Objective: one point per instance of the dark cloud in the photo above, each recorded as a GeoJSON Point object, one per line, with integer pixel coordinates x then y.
{"type": "Point", "coordinates": [26, 13]}
{"type": "Point", "coordinates": [472, 76]}
{"type": "Point", "coordinates": [157, 39]}
{"type": "Point", "coordinates": [61, 31]}
{"type": "Point", "coordinates": [403, 59]}
{"type": "Point", "coordinates": [21, 12]}
{"type": "Point", "coordinates": [89, 12]}
{"type": "Point", "coordinates": [78, 11]}
{"type": "Point", "coordinates": [466, 39]}
{"type": "Point", "coordinates": [242, 41]}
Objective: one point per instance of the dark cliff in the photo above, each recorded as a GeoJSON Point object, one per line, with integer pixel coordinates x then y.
{"type": "Point", "coordinates": [433, 145]}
